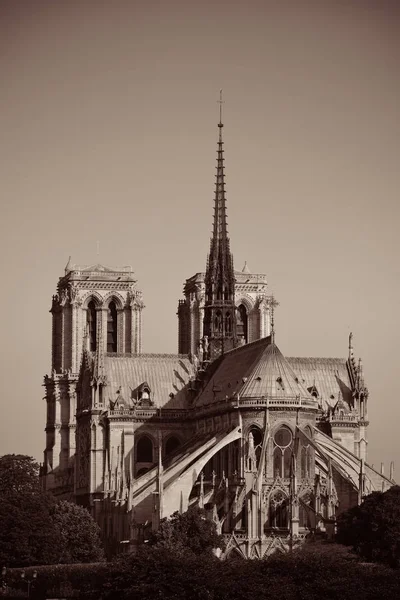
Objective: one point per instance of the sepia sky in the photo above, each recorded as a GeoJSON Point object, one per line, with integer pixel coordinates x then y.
{"type": "Point", "coordinates": [108, 133]}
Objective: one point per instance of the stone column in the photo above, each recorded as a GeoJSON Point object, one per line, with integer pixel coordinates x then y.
{"type": "Point", "coordinates": [120, 330]}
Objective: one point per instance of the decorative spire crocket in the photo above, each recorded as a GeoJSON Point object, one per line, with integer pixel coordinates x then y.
{"type": "Point", "coordinates": [219, 310]}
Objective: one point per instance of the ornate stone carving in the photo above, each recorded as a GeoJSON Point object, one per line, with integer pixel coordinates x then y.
{"type": "Point", "coordinates": [84, 454]}
{"type": "Point", "coordinates": [135, 299]}
{"type": "Point", "coordinates": [63, 297]}
{"type": "Point", "coordinates": [74, 297]}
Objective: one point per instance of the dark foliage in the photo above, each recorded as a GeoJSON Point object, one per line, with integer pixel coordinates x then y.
{"type": "Point", "coordinates": [78, 534]}
{"type": "Point", "coordinates": [191, 531]}
{"type": "Point", "coordinates": [18, 474]}
{"type": "Point", "coordinates": [34, 528]}
{"type": "Point", "coordinates": [319, 570]}
{"type": "Point", "coordinates": [27, 534]}
{"type": "Point", "coordinates": [373, 528]}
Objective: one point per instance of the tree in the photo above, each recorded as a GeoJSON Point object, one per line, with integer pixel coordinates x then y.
{"type": "Point", "coordinates": [373, 528]}
{"type": "Point", "coordinates": [35, 529]}
{"type": "Point", "coordinates": [78, 534]}
{"type": "Point", "coordinates": [191, 531]}
{"type": "Point", "coordinates": [27, 534]}
{"type": "Point", "coordinates": [18, 473]}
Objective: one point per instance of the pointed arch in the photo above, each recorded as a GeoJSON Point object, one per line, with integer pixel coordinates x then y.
{"type": "Point", "coordinates": [91, 324]}
{"type": "Point", "coordinates": [242, 322]}
{"type": "Point", "coordinates": [282, 451]}
{"type": "Point", "coordinates": [144, 449]}
{"type": "Point", "coordinates": [278, 510]}
{"type": "Point", "coordinates": [172, 443]}
{"type": "Point", "coordinates": [93, 296]}
{"type": "Point", "coordinates": [114, 297]}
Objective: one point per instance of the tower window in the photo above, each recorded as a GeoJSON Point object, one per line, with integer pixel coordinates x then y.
{"type": "Point", "coordinates": [241, 322]}
{"type": "Point", "coordinates": [92, 325]}
{"type": "Point", "coordinates": [112, 328]}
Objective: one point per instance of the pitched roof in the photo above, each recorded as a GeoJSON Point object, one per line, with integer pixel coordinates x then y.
{"type": "Point", "coordinates": [165, 374]}
{"type": "Point", "coordinates": [272, 376]}
{"type": "Point", "coordinates": [328, 375]}
{"type": "Point", "coordinates": [255, 370]}
{"type": "Point", "coordinates": [226, 380]}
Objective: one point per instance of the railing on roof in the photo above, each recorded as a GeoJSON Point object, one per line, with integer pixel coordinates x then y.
{"type": "Point", "coordinates": [294, 401]}
{"type": "Point", "coordinates": [149, 413]}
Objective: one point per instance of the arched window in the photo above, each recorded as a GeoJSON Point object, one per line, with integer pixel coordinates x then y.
{"type": "Point", "coordinates": [305, 513]}
{"type": "Point", "coordinates": [283, 444]}
{"type": "Point", "coordinates": [258, 438]}
{"type": "Point", "coordinates": [92, 325]}
{"type": "Point", "coordinates": [228, 323]}
{"type": "Point", "coordinates": [112, 328]}
{"type": "Point", "coordinates": [218, 322]}
{"type": "Point", "coordinates": [144, 450]}
{"type": "Point", "coordinates": [241, 322]}
{"type": "Point", "coordinates": [278, 510]}
{"type": "Point", "coordinates": [172, 444]}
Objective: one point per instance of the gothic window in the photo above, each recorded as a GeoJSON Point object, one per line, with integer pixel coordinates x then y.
{"type": "Point", "coordinates": [258, 438]}
{"type": "Point", "coordinates": [172, 444]}
{"type": "Point", "coordinates": [218, 322]}
{"type": "Point", "coordinates": [278, 510]}
{"type": "Point", "coordinates": [144, 450]}
{"type": "Point", "coordinates": [112, 328]}
{"type": "Point", "coordinates": [92, 325]}
{"type": "Point", "coordinates": [283, 444]}
{"type": "Point", "coordinates": [305, 512]}
{"type": "Point", "coordinates": [241, 322]}
{"type": "Point", "coordinates": [228, 322]}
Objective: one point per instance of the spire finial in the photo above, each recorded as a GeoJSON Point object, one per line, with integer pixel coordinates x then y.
{"type": "Point", "coordinates": [220, 102]}
{"type": "Point", "coordinates": [272, 309]}
{"type": "Point", "coordinates": [351, 344]}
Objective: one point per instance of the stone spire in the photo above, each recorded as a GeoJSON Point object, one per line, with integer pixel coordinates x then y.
{"type": "Point", "coordinates": [219, 310]}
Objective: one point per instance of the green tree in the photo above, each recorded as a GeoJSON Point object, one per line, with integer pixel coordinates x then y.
{"type": "Point", "coordinates": [373, 528]}
{"type": "Point", "coordinates": [78, 534]}
{"type": "Point", "coordinates": [190, 531]}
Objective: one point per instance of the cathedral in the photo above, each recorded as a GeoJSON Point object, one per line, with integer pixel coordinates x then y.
{"type": "Point", "coordinates": [272, 447]}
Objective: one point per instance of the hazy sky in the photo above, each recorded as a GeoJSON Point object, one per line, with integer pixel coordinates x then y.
{"type": "Point", "coordinates": [108, 132]}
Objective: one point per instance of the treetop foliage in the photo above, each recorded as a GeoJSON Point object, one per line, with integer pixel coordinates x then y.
{"type": "Point", "coordinates": [35, 529]}
{"type": "Point", "coordinates": [373, 528]}
{"type": "Point", "coordinates": [191, 531]}
{"type": "Point", "coordinates": [18, 474]}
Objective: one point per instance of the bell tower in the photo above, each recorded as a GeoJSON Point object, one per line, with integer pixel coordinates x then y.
{"type": "Point", "coordinates": [100, 307]}
{"type": "Point", "coordinates": [219, 307]}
